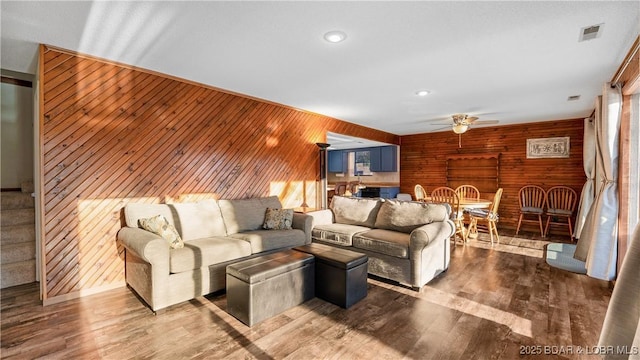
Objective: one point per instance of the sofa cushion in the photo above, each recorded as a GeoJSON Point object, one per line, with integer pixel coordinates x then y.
{"type": "Point", "coordinates": [339, 234]}
{"type": "Point", "coordinates": [386, 242]}
{"type": "Point", "coordinates": [278, 219]}
{"type": "Point", "coordinates": [207, 251]}
{"type": "Point", "coordinates": [160, 226]}
{"type": "Point", "coordinates": [265, 240]}
{"type": "Point", "coordinates": [355, 211]}
{"type": "Point", "coordinates": [193, 220]}
{"type": "Point", "coordinates": [406, 216]}
{"type": "Point", "coordinates": [246, 214]}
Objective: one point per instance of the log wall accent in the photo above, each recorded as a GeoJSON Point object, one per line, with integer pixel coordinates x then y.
{"type": "Point", "coordinates": [114, 134]}
{"type": "Point", "coordinates": [423, 160]}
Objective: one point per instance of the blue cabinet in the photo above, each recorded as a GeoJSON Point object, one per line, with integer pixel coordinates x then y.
{"type": "Point", "coordinates": [384, 159]}
{"type": "Point", "coordinates": [376, 164]}
{"type": "Point", "coordinates": [389, 192]}
{"type": "Point", "coordinates": [338, 161]}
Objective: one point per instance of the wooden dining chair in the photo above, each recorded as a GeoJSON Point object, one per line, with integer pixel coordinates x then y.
{"type": "Point", "coordinates": [419, 192]}
{"type": "Point", "coordinates": [532, 200]}
{"type": "Point", "coordinates": [448, 195]}
{"type": "Point", "coordinates": [488, 217]}
{"type": "Point", "coordinates": [340, 188]}
{"type": "Point", "coordinates": [354, 187]}
{"type": "Point", "coordinates": [468, 192]}
{"type": "Point", "coordinates": [561, 202]}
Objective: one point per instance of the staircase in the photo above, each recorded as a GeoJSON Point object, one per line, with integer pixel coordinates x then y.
{"type": "Point", "coordinates": [17, 237]}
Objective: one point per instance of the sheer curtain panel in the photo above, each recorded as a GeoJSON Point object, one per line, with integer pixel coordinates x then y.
{"type": "Point", "coordinates": [598, 243]}
{"type": "Point", "coordinates": [589, 161]}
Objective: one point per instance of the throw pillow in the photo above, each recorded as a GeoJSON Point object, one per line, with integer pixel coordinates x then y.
{"type": "Point", "coordinates": [278, 219]}
{"type": "Point", "coordinates": [160, 226]}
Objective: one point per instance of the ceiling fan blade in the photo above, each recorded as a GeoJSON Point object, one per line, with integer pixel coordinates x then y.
{"type": "Point", "coordinates": [471, 119]}
{"type": "Point", "coordinates": [486, 122]}
{"type": "Point", "coordinates": [437, 120]}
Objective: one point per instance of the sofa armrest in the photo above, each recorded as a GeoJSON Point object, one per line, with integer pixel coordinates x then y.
{"type": "Point", "coordinates": [321, 217]}
{"type": "Point", "coordinates": [430, 251]}
{"type": "Point", "coordinates": [146, 245]}
{"type": "Point", "coordinates": [303, 222]}
{"type": "Point", "coordinates": [426, 234]}
{"type": "Point", "coordinates": [147, 265]}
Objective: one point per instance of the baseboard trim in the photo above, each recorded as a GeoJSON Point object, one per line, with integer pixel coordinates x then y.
{"type": "Point", "coordinates": [82, 293]}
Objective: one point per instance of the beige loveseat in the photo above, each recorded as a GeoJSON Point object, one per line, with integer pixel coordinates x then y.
{"type": "Point", "coordinates": [215, 234]}
{"type": "Point", "coordinates": [407, 242]}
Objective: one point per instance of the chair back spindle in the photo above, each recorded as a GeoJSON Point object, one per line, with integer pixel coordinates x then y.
{"type": "Point", "coordinates": [468, 192]}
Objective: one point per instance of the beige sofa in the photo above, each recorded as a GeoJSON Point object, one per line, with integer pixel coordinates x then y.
{"type": "Point", "coordinates": [215, 234]}
{"type": "Point", "coordinates": [407, 242]}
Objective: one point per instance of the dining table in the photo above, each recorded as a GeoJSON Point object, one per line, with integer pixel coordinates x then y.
{"type": "Point", "coordinates": [475, 203]}
{"type": "Point", "coordinates": [471, 203]}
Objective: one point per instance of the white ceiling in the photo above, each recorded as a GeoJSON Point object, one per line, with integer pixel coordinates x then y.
{"type": "Point", "coordinates": [341, 142]}
{"type": "Point", "coordinates": [509, 61]}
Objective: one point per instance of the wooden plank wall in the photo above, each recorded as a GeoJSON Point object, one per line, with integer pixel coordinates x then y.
{"type": "Point", "coordinates": [423, 160]}
{"type": "Point", "coordinates": [113, 134]}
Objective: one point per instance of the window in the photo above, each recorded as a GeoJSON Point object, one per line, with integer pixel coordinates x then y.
{"type": "Point", "coordinates": [362, 163]}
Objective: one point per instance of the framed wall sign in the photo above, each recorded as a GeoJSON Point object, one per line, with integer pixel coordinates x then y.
{"type": "Point", "coordinates": [557, 147]}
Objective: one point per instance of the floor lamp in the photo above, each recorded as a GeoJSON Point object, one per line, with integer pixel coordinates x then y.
{"type": "Point", "coordinates": [323, 174]}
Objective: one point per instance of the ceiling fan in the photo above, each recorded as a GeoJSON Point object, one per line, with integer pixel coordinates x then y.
{"type": "Point", "coordinates": [460, 122]}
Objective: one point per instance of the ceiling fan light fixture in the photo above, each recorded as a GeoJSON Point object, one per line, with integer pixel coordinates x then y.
{"type": "Point", "coordinates": [460, 128]}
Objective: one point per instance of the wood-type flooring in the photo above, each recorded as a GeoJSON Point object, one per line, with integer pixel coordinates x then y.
{"type": "Point", "coordinates": [501, 302]}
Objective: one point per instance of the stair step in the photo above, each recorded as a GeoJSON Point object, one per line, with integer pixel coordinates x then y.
{"type": "Point", "coordinates": [19, 252]}
{"type": "Point", "coordinates": [27, 187]}
{"type": "Point", "coordinates": [19, 273]}
{"type": "Point", "coordinates": [16, 200]}
{"type": "Point", "coordinates": [17, 217]}
{"type": "Point", "coordinates": [13, 234]}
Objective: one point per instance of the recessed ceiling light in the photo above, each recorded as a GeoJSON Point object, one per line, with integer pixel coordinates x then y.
{"type": "Point", "coordinates": [423, 92]}
{"type": "Point", "coordinates": [335, 36]}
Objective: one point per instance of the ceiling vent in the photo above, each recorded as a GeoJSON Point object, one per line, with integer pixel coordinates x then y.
{"type": "Point", "coordinates": [590, 32]}
{"type": "Point", "coordinates": [573, 98]}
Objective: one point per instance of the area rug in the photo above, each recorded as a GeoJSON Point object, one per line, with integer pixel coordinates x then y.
{"type": "Point", "coordinates": [561, 256]}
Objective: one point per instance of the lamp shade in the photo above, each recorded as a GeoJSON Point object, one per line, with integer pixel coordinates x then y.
{"type": "Point", "coordinates": [460, 128]}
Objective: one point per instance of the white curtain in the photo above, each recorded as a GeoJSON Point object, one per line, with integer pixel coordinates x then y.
{"type": "Point", "coordinates": [589, 161]}
{"type": "Point", "coordinates": [598, 243]}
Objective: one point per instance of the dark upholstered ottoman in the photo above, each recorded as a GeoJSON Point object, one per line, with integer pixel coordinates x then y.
{"type": "Point", "coordinates": [341, 275]}
{"type": "Point", "coordinates": [267, 285]}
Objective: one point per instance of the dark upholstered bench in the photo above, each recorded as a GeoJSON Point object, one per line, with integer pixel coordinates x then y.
{"type": "Point", "coordinates": [267, 285]}
{"type": "Point", "coordinates": [341, 275]}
